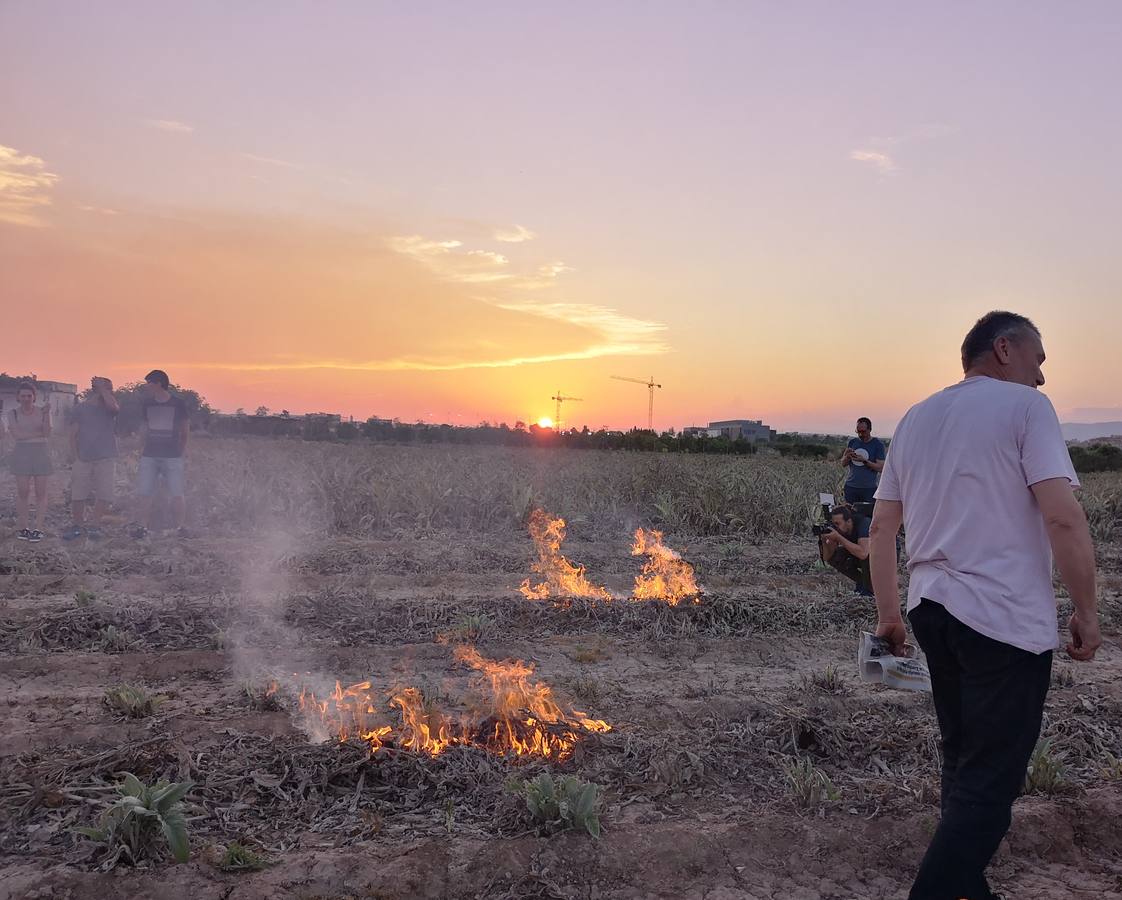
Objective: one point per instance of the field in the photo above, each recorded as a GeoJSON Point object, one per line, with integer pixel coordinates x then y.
{"type": "Point", "coordinates": [740, 758]}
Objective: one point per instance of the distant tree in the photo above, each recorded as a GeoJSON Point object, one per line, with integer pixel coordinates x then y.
{"type": "Point", "coordinates": [1096, 458]}
{"type": "Point", "coordinates": [262, 411]}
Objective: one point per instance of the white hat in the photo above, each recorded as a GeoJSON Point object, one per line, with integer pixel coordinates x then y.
{"type": "Point", "coordinates": [859, 455]}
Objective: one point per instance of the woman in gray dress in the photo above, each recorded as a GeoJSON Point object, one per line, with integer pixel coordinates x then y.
{"type": "Point", "coordinates": [30, 427]}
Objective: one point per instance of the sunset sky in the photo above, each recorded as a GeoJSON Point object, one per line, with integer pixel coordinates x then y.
{"type": "Point", "coordinates": [447, 212]}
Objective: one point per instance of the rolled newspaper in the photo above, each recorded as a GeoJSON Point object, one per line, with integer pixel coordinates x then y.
{"type": "Point", "coordinates": [876, 663]}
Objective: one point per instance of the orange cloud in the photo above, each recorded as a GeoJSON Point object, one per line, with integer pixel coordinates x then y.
{"type": "Point", "coordinates": [25, 187]}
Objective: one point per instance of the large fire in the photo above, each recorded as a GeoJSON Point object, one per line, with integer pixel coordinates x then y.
{"type": "Point", "coordinates": [509, 713]}
{"type": "Point", "coordinates": [665, 576]}
{"type": "Point", "coordinates": [560, 578]}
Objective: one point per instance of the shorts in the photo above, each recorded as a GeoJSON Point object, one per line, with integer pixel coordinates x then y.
{"type": "Point", "coordinates": [151, 467]}
{"type": "Point", "coordinates": [92, 478]}
{"type": "Point", "coordinates": [31, 458]}
{"type": "Point", "coordinates": [854, 494]}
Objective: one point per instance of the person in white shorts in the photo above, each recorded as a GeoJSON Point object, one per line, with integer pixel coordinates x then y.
{"type": "Point", "coordinates": [93, 443]}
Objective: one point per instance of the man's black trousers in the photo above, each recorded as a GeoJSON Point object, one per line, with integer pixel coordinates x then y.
{"type": "Point", "coordinates": [989, 699]}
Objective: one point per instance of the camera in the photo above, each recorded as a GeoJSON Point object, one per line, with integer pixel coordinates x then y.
{"type": "Point", "coordinates": [826, 501]}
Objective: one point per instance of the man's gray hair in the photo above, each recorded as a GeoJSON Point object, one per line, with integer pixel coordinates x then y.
{"type": "Point", "coordinates": [993, 325]}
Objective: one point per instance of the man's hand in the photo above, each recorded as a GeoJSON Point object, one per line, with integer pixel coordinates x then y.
{"type": "Point", "coordinates": [847, 456]}
{"type": "Point", "coordinates": [895, 633]}
{"type": "Point", "coordinates": [1085, 637]}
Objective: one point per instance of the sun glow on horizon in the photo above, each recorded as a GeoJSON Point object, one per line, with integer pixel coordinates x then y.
{"type": "Point", "coordinates": [545, 422]}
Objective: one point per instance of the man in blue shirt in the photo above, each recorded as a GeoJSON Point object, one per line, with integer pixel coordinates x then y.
{"type": "Point", "coordinates": [865, 458]}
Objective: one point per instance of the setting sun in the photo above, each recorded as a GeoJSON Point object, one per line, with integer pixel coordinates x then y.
{"type": "Point", "coordinates": [545, 422]}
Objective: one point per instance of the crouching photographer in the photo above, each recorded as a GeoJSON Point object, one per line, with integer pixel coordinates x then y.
{"type": "Point", "coordinates": [843, 543]}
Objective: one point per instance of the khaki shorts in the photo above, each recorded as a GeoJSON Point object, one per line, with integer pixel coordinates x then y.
{"type": "Point", "coordinates": [91, 479]}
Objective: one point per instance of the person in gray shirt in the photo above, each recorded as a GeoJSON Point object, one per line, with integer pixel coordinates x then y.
{"type": "Point", "coordinates": [93, 445]}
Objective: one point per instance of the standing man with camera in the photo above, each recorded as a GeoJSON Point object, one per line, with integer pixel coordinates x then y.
{"type": "Point", "coordinates": [981, 477]}
{"type": "Point", "coordinates": [93, 446]}
{"type": "Point", "coordinates": [865, 458]}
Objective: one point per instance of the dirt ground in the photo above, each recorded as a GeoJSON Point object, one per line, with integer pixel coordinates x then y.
{"type": "Point", "coordinates": [708, 702]}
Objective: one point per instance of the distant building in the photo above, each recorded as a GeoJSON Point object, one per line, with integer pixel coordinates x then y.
{"type": "Point", "coordinates": [58, 395]}
{"type": "Point", "coordinates": [748, 429]}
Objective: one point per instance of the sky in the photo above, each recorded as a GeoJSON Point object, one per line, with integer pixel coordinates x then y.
{"type": "Point", "coordinates": [450, 212]}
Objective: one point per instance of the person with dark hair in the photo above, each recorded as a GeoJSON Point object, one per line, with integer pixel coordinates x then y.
{"type": "Point", "coordinates": [30, 427]}
{"type": "Point", "coordinates": [864, 456]}
{"type": "Point", "coordinates": [164, 429]}
{"type": "Point", "coordinates": [981, 477]}
{"type": "Point", "coordinates": [846, 548]}
{"type": "Point", "coordinates": [93, 446]}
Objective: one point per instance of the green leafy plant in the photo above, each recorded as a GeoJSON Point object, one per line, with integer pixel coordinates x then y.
{"type": "Point", "coordinates": [83, 598]}
{"type": "Point", "coordinates": [1045, 773]}
{"type": "Point", "coordinates": [263, 698]}
{"type": "Point", "coordinates": [240, 858]}
{"type": "Point", "coordinates": [808, 784]}
{"type": "Point", "coordinates": [111, 639]}
{"type": "Point", "coordinates": [142, 821]}
{"type": "Point", "coordinates": [471, 628]}
{"type": "Point", "coordinates": [131, 700]}
{"type": "Point", "coordinates": [828, 680]}
{"type": "Point", "coordinates": [563, 802]}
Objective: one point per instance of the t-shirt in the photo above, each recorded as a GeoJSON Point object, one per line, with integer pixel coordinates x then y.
{"type": "Point", "coordinates": [164, 421]}
{"type": "Point", "coordinates": [97, 437]}
{"type": "Point", "coordinates": [31, 428]}
{"type": "Point", "coordinates": [962, 463]}
{"type": "Point", "coordinates": [860, 528]}
{"type": "Point", "coordinates": [861, 476]}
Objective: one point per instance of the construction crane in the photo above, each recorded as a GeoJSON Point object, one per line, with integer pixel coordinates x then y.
{"type": "Point", "coordinates": [561, 398]}
{"type": "Point", "coordinates": [651, 385]}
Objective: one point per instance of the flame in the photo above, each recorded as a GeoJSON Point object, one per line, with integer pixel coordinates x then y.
{"type": "Point", "coordinates": [561, 577]}
{"type": "Point", "coordinates": [665, 574]}
{"type": "Point", "coordinates": [512, 714]}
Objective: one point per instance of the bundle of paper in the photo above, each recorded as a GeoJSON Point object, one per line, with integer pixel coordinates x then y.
{"type": "Point", "coordinates": [876, 663]}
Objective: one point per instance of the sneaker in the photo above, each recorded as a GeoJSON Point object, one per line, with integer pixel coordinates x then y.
{"type": "Point", "coordinates": [24, 534]}
{"type": "Point", "coordinates": [94, 533]}
{"type": "Point", "coordinates": [35, 536]}
{"type": "Point", "coordinates": [137, 531]}
{"type": "Point", "coordinates": [72, 533]}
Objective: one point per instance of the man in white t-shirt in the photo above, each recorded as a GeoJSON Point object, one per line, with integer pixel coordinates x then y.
{"type": "Point", "coordinates": [980, 476]}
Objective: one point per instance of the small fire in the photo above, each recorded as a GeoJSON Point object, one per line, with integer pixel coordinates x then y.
{"type": "Point", "coordinates": [561, 578]}
{"type": "Point", "coordinates": [511, 714]}
{"type": "Point", "coordinates": [665, 576]}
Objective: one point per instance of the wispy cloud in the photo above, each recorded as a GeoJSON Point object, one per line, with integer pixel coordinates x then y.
{"type": "Point", "coordinates": [613, 332]}
{"type": "Point", "coordinates": [101, 210]}
{"type": "Point", "coordinates": [452, 261]}
{"type": "Point", "coordinates": [880, 152]}
{"type": "Point", "coordinates": [617, 334]}
{"type": "Point", "coordinates": [514, 235]}
{"type": "Point", "coordinates": [25, 186]}
{"type": "Point", "coordinates": [882, 161]}
{"type": "Point", "coordinates": [170, 125]}
{"type": "Point", "coordinates": [271, 161]}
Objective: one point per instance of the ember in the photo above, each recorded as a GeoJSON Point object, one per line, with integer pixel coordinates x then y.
{"type": "Point", "coordinates": [665, 576]}
{"type": "Point", "coordinates": [561, 578]}
{"type": "Point", "coordinates": [510, 714]}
